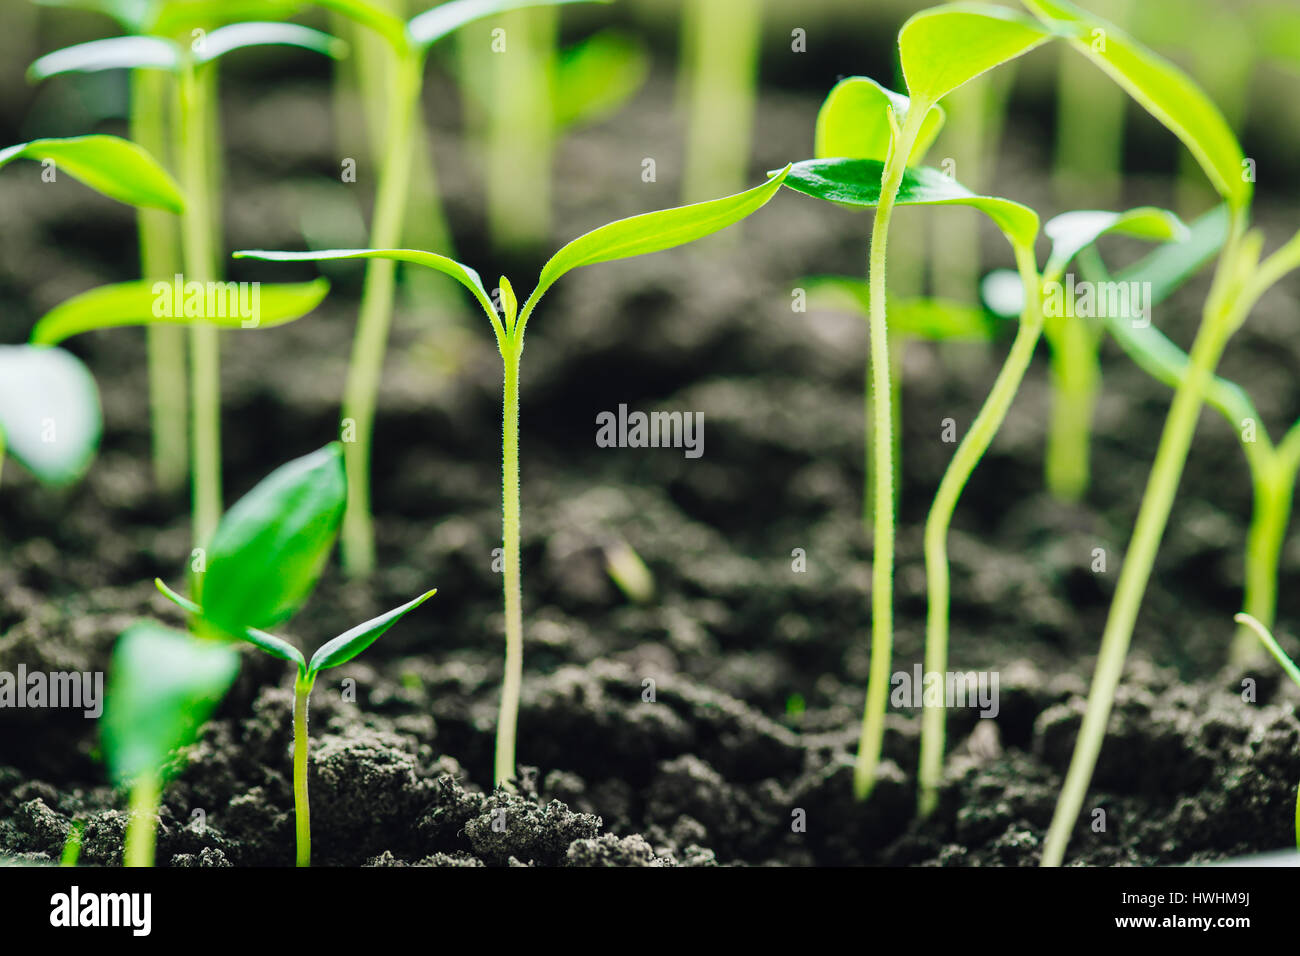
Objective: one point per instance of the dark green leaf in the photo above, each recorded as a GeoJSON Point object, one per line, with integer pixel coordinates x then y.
{"type": "Point", "coordinates": [49, 412]}
{"type": "Point", "coordinates": [117, 168]}
{"type": "Point", "coordinates": [348, 645]}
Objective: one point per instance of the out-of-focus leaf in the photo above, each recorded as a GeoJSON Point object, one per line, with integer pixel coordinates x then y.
{"type": "Point", "coordinates": [434, 24]}
{"type": "Point", "coordinates": [114, 53]}
{"type": "Point", "coordinates": [1073, 231]}
{"type": "Point", "coordinates": [49, 412]}
{"type": "Point", "coordinates": [275, 646]}
{"type": "Point", "coordinates": [597, 76]}
{"type": "Point", "coordinates": [239, 36]}
{"type": "Point", "coordinates": [116, 167]}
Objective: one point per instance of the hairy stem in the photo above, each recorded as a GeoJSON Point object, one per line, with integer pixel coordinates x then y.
{"type": "Point", "coordinates": [301, 804]}
{"type": "Point", "coordinates": [968, 455]}
{"type": "Point", "coordinates": [141, 827]}
{"type": "Point", "coordinates": [357, 539]}
{"type": "Point", "coordinates": [509, 714]}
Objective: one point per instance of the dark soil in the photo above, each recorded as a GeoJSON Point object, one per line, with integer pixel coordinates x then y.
{"type": "Point", "coordinates": [715, 768]}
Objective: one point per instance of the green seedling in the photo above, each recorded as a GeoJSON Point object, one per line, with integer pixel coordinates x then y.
{"type": "Point", "coordinates": [1240, 279]}
{"type": "Point", "coordinates": [72, 845]}
{"type": "Point", "coordinates": [192, 66]}
{"type": "Point", "coordinates": [49, 405]}
{"type": "Point", "coordinates": [409, 44]}
{"type": "Point", "coordinates": [875, 133]}
{"type": "Point", "coordinates": [625, 238]}
{"type": "Point", "coordinates": [1292, 671]}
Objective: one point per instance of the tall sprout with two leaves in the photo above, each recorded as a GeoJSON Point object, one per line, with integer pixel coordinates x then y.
{"type": "Point", "coordinates": [625, 238]}
{"type": "Point", "coordinates": [409, 44]}
{"type": "Point", "coordinates": [1241, 277]}
{"type": "Point", "coordinates": [191, 64]}
{"type": "Point", "coordinates": [876, 133]}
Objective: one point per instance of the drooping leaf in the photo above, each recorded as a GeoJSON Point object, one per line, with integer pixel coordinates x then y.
{"type": "Point", "coordinates": [656, 231]}
{"type": "Point", "coordinates": [49, 411]}
{"type": "Point", "coordinates": [856, 182]}
{"type": "Point", "coordinates": [597, 76]}
{"type": "Point", "coordinates": [351, 643]}
{"type": "Point", "coordinates": [854, 122]}
{"type": "Point", "coordinates": [1165, 91]}
{"type": "Point", "coordinates": [432, 25]}
{"type": "Point", "coordinates": [275, 646]}
{"type": "Point", "coordinates": [238, 36]}
{"type": "Point", "coordinates": [945, 47]}
{"type": "Point", "coordinates": [116, 167]}
{"type": "Point", "coordinates": [114, 53]}
{"type": "Point", "coordinates": [461, 273]}
{"type": "Point", "coordinates": [269, 549]}
{"type": "Point", "coordinates": [162, 685]}
{"type": "Point", "coordinates": [1073, 231]}
{"type": "Point", "coordinates": [142, 302]}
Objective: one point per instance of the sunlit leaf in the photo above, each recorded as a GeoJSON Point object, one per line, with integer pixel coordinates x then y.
{"type": "Point", "coordinates": [1072, 231]}
{"type": "Point", "coordinates": [115, 167]}
{"type": "Point", "coordinates": [854, 122]}
{"type": "Point", "coordinates": [351, 643]}
{"type": "Point", "coordinates": [115, 53]}
{"type": "Point", "coordinates": [223, 304]}
{"type": "Point", "coordinates": [238, 36]}
{"type": "Point", "coordinates": [49, 412]}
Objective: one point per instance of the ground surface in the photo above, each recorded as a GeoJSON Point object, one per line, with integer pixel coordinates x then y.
{"type": "Point", "coordinates": [758, 669]}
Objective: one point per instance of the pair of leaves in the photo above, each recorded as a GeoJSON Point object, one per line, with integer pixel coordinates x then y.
{"type": "Point", "coordinates": [115, 167]}
{"type": "Point", "coordinates": [143, 302]}
{"type": "Point", "coordinates": [624, 238]}
{"type": "Point", "coordinates": [49, 412]}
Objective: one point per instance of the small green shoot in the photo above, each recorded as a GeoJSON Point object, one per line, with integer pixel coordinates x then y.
{"type": "Point", "coordinates": [72, 845]}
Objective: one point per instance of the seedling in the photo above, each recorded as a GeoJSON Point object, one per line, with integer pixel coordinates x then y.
{"type": "Point", "coordinates": [192, 67]}
{"type": "Point", "coordinates": [72, 845]}
{"type": "Point", "coordinates": [875, 133]}
{"type": "Point", "coordinates": [1288, 665]}
{"type": "Point", "coordinates": [625, 238]}
{"type": "Point", "coordinates": [1241, 278]}
{"type": "Point", "coordinates": [409, 43]}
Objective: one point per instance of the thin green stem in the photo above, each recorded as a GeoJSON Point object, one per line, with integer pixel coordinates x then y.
{"type": "Point", "coordinates": [882, 563]}
{"type": "Point", "coordinates": [1218, 322]}
{"type": "Point", "coordinates": [1075, 376]}
{"type": "Point", "coordinates": [200, 266]}
{"type": "Point", "coordinates": [301, 805]}
{"type": "Point", "coordinates": [507, 720]}
{"type": "Point", "coordinates": [1273, 490]}
{"type": "Point", "coordinates": [964, 460]}
{"type": "Point", "coordinates": [142, 824]}
{"type": "Point", "coordinates": [357, 540]}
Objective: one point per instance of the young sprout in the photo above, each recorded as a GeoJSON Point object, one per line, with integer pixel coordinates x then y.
{"type": "Point", "coordinates": [409, 43]}
{"type": "Point", "coordinates": [625, 238]}
{"type": "Point", "coordinates": [876, 132]}
{"type": "Point", "coordinates": [193, 65]}
{"type": "Point", "coordinates": [1292, 671]}
{"type": "Point", "coordinates": [72, 845]}
{"type": "Point", "coordinates": [1241, 278]}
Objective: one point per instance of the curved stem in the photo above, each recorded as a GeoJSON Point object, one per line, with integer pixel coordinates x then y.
{"type": "Point", "coordinates": [504, 771]}
{"type": "Point", "coordinates": [357, 541]}
{"type": "Point", "coordinates": [1218, 322]}
{"type": "Point", "coordinates": [142, 826]}
{"type": "Point", "coordinates": [964, 460]}
{"type": "Point", "coordinates": [301, 804]}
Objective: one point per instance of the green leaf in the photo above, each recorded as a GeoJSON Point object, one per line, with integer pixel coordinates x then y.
{"type": "Point", "coordinates": [115, 53]}
{"type": "Point", "coordinates": [1161, 88]}
{"type": "Point", "coordinates": [855, 122]}
{"type": "Point", "coordinates": [163, 684]}
{"type": "Point", "coordinates": [117, 168]}
{"type": "Point", "coordinates": [947, 46]}
{"type": "Point", "coordinates": [238, 36]}
{"type": "Point", "coordinates": [597, 76]}
{"type": "Point", "coordinates": [351, 643]}
{"type": "Point", "coordinates": [1169, 266]}
{"type": "Point", "coordinates": [656, 231]}
{"type": "Point", "coordinates": [275, 646]}
{"type": "Point", "coordinates": [270, 548]}
{"type": "Point", "coordinates": [509, 302]}
{"type": "Point", "coordinates": [182, 16]}
{"type": "Point", "coordinates": [932, 319]}
{"type": "Point", "coordinates": [461, 273]}
{"type": "Point", "coordinates": [372, 17]}
{"type": "Point", "coordinates": [432, 25]}
{"type": "Point", "coordinates": [1073, 231]}
{"type": "Point", "coordinates": [856, 182]}
{"type": "Point", "coordinates": [259, 306]}
{"type": "Point", "coordinates": [49, 412]}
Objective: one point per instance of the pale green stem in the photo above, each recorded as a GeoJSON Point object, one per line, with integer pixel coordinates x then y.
{"type": "Point", "coordinates": [1273, 490]}
{"type": "Point", "coordinates": [512, 347]}
{"type": "Point", "coordinates": [882, 563]}
{"type": "Point", "coordinates": [968, 455]}
{"type": "Point", "coordinates": [1075, 376]}
{"type": "Point", "coordinates": [301, 805]}
{"type": "Point", "coordinates": [142, 823]}
{"type": "Point", "coordinates": [357, 540]}
{"type": "Point", "coordinates": [1220, 318]}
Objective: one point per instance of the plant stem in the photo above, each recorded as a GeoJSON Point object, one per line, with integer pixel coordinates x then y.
{"type": "Point", "coordinates": [1217, 324]}
{"type": "Point", "coordinates": [301, 805]}
{"type": "Point", "coordinates": [509, 715]}
{"type": "Point", "coordinates": [1075, 374]}
{"type": "Point", "coordinates": [159, 260]}
{"type": "Point", "coordinates": [142, 825]}
{"type": "Point", "coordinates": [357, 540]}
{"type": "Point", "coordinates": [882, 545]}
{"type": "Point", "coordinates": [968, 455]}
{"type": "Point", "coordinates": [200, 266]}
{"type": "Point", "coordinates": [1269, 517]}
